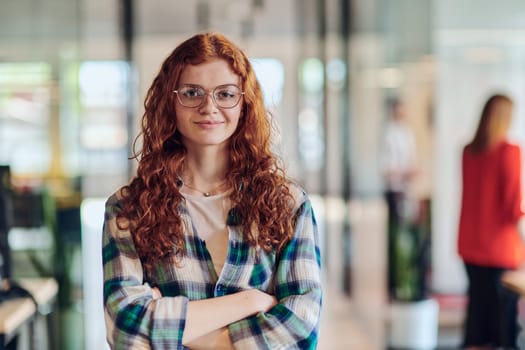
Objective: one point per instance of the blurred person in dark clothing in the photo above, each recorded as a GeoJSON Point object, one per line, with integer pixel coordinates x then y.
{"type": "Point", "coordinates": [398, 165]}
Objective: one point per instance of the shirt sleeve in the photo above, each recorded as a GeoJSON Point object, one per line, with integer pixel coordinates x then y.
{"type": "Point", "coordinates": [134, 320]}
{"type": "Point", "coordinates": [294, 322]}
{"type": "Point", "coordinates": [511, 184]}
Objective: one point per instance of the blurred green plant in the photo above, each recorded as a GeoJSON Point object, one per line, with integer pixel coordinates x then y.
{"type": "Point", "coordinates": [412, 255]}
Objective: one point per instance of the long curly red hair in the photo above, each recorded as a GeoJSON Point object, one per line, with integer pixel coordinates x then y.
{"type": "Point", "coordinates": [260, 192]}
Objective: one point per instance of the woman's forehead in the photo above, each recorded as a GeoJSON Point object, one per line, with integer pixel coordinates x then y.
{"type": "Point", "coordinates": [209, 74]}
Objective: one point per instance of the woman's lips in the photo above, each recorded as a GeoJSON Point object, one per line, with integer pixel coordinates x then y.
{"type": "Point", "coordinates": [208, 124]}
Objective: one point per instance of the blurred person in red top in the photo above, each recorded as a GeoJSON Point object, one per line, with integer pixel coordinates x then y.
{"type": "Point", "coordinates": [489, 241]}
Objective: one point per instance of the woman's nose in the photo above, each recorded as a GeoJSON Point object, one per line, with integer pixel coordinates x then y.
{"type": "Point", "coordinates": [208, 102]}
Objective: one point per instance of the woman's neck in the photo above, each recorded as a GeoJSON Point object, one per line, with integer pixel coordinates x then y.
{"type": "Point", "coordinates": [205, 169]}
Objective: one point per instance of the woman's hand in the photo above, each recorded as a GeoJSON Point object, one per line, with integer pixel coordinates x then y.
{"type": "Point", "coordinates": [231, 308]}
{"type": "Point", "coordinates": [263, 301]}
{"type": "Point", "coordinates": [156, 293]}
{"type": "Point", "coordinates": [207, 315]}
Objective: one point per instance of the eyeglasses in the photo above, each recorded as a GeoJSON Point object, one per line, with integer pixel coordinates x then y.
{"type": "Point", "coordinates": [224, 96]}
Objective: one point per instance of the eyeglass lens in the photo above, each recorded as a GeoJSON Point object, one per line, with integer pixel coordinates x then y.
{"type": "Point", "coordinates": [224, 96]}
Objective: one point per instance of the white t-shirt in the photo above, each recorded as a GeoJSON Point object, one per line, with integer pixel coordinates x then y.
{"type": "Point", "coordinates": [209, 218]}
{"type": "Point", "coordinates": [398, 156]}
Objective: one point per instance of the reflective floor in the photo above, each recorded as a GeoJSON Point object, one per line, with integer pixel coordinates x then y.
{"type": "Point", "coordinates": [340, 328]}
{"type": "Point", "coordinates": [356, 313]}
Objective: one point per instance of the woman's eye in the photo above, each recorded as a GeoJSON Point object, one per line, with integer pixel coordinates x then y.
{"type": "Point", "coordinates": [225, 94]}
{"type": "Point", "coordinates": [192, 93]}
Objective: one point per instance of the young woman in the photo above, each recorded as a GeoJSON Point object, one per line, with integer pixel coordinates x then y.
{"type": "Point", "coordinates": [210, 245]}
{"type": "Point", "coordinates": [489, 241]}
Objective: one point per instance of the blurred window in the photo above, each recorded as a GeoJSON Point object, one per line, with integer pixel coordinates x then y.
{"type": "Point", "coordinates": [25, 105]}
{"type": "Point", "coordinates": [310, 118]}
{"type": "Point", "coordinates": [103, 133]}
{"type": "Point", "coordinates": [270, 73]}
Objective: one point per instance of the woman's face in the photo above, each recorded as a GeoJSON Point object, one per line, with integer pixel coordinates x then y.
{"type": "Point", "coordinates": [208, 124]}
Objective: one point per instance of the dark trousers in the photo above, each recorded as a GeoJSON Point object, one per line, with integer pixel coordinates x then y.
{"type": "Point", "coordinates": [394, 201]}
{"type": "Point", "coordinates": [492, 309]}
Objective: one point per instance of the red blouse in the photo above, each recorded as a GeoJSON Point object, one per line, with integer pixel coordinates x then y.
{"type": "Point", "coordinates": [491, 207]}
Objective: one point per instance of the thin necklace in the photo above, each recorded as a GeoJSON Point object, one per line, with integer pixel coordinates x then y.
{"type": "Point", "coordinates": [181, 183]}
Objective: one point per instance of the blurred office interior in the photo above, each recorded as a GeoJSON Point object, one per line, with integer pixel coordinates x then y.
{"type": "Point", "coordinates": [73, 75]}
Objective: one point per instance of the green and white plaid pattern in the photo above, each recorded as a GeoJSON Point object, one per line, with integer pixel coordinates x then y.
{"type": "Point", "coordinates": [135, 321]}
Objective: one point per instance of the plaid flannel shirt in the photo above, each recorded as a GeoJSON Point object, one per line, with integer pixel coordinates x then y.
{"type": "Point", "coordinates": [134, 320]}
